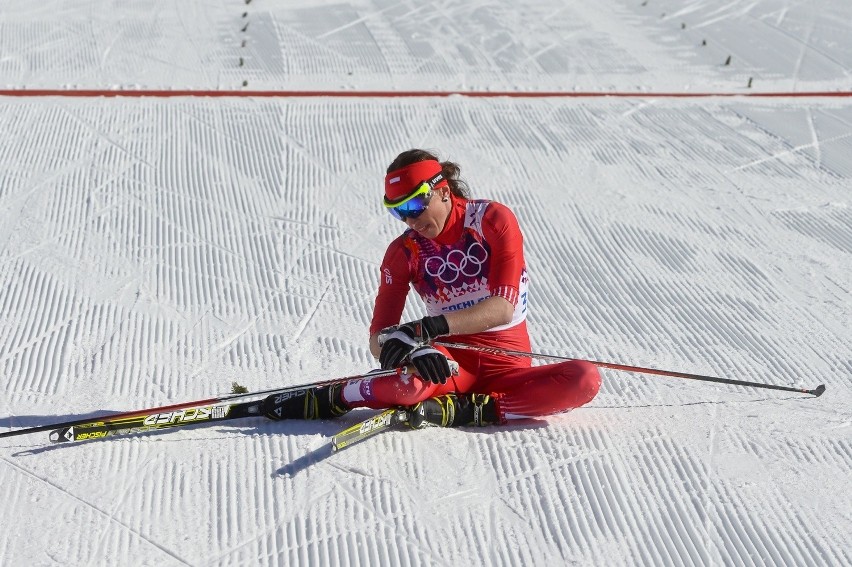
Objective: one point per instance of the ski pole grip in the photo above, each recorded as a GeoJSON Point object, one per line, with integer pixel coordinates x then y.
{"type": "Point", "coordinates": [454, 366]}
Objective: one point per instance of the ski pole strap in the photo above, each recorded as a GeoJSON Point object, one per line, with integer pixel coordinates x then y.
{"type": "Point", "coordinates": [628, 368]}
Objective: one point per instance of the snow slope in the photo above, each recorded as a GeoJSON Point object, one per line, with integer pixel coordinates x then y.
{"type": "Point", "coordinates": [153, 251]}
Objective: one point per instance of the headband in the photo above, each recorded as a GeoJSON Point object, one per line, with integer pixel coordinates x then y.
{"type": "Point", "coordinates": [401, 182]}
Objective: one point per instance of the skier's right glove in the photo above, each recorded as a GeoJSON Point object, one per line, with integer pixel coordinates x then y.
{"type": "Point", "coordinates": [431, 364]}
{"type": "Point", "coordinates": [399, 342]}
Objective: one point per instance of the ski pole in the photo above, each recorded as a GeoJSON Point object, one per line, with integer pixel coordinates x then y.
{"type": "Point", "coordinates": [611, 365]}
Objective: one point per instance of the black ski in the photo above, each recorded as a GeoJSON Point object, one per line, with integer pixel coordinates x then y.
{"type": "Point", "coordinates": [223, 400]}
{"type": "Point", "coordinates": [101, 429]}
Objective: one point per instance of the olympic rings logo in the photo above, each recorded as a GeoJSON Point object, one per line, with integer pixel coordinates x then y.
{"type": "Point", "coordinates": [457, 263]}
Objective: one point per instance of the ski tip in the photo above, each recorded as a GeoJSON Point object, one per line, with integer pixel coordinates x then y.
{"type": "Point", "coordinates": [817, 392]}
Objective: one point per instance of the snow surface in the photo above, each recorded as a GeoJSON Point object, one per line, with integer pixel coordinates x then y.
{"type": "Point", "coordinates": [154, 250]}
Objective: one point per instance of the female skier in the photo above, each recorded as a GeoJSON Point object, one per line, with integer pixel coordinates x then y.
{"type": "Point", "coordinates": [465, 259]}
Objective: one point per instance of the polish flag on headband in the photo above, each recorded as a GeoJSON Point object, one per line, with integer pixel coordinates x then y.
{"type": "Point", "coordinates": [401, 182]}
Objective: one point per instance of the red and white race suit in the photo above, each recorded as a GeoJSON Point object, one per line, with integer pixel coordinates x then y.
{"type": "Point", "coordinates": [479, 254]}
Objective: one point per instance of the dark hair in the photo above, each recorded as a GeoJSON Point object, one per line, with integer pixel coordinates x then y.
{"type": "Point", "coordinates": [450, 169]}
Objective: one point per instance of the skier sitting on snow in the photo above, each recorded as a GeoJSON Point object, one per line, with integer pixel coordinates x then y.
{"type": "Point", "coordinates": [465, 259]}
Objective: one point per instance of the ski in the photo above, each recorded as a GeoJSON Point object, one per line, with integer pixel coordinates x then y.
{"type": "Point", "coordinates": [225, 399]}
{"type": "Point", "coordinates": [383, 421]}
{"type": "Point", "coordinates": [101, 429]}
{"type": "Point", "coordinates": [92, 430]}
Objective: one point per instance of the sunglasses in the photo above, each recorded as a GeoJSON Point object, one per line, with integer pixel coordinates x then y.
{"type": "Point", "coordinates": [415, 203]}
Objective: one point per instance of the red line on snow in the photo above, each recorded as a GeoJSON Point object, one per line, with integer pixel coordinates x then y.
{"type": "Point", "coordinates": [88, 93]}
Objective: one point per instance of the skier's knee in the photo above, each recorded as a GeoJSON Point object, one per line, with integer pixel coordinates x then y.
{"type": "Point", "coordinates": [580, 382]}
{"type": "Point", "coordinates": [587, 381]}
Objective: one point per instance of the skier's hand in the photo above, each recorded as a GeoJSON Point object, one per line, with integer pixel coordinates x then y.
{"type": "Point", "coordinates": [431, 364]}
{"type": "Point", "coordinates": [397, 345]}
{"type": "Point", "coordinates": [399, 342]}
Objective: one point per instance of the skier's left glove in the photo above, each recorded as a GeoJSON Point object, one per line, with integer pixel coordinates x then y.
{"type": "Point", "coordinates": [399, 342]}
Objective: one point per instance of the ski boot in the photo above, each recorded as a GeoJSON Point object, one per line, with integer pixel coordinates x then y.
{"type": "Point", "coordinates": [310, 403]}
{"type": "Point", "coordinates": [454, 410]}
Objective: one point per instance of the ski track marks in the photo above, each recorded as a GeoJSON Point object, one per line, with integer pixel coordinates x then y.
{"type": "Point", "coordinates": [209, 241]}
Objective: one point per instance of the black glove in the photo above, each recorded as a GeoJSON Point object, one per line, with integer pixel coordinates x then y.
{"type": "Point", "coordinates": [431, 364]}
{"type": "Point", "coordinates": [397, 343]}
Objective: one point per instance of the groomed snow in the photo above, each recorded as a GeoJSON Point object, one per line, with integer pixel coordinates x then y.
{"type": "Point", "coordinates": [154, 250]}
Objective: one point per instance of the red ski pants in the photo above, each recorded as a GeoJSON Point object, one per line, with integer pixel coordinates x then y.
{"type": "Point", "coordinates": [523, 390]}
